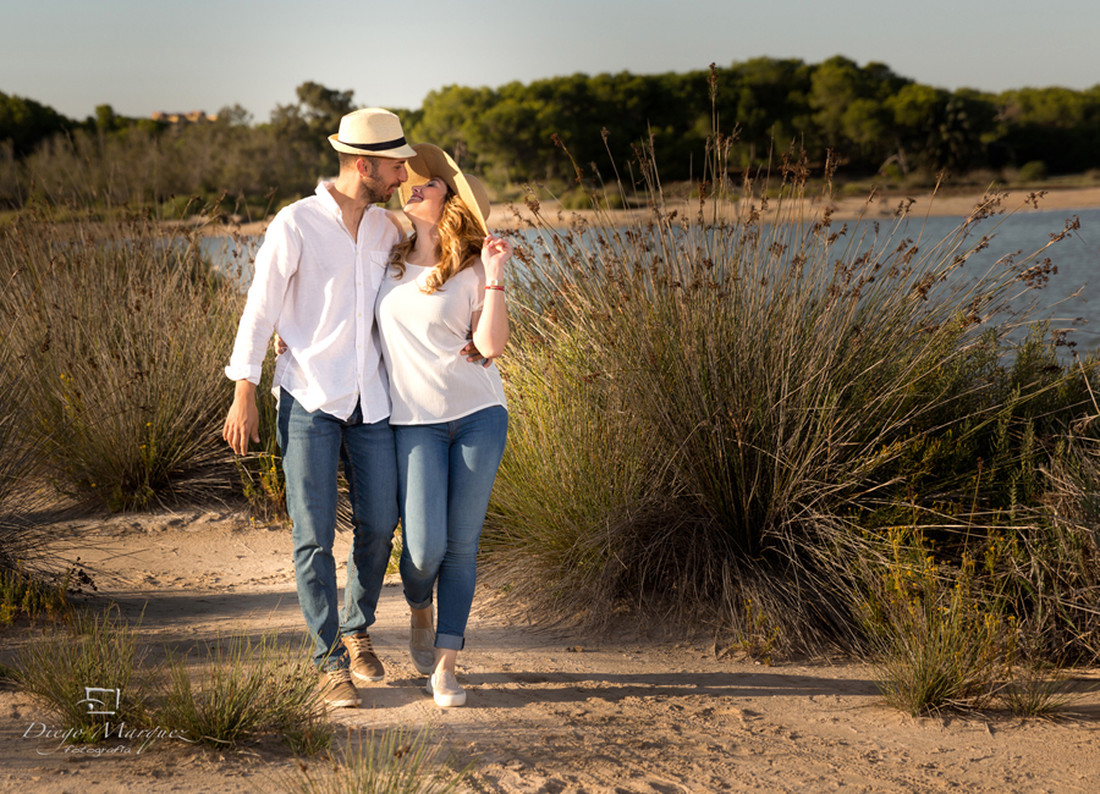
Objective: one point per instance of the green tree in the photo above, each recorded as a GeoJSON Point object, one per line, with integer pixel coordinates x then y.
{"type": "Point", "coordinates": [453, 118]}
{"type": "Point", "coordinates": [849, 110]}
{"type": "Point", "coordinates": [1057, 126]}
{"type": "Point", "coordinates": [26, 123]}
{"type": "Point", "coordinates": [233, 116]}
{"type": "Point", "coordinates": [10, 187]}
{"type": "Point", "coordinates": [322, 107]}
{"type": "Point", "coordinates": [914, 108]}
{"type": "Point", "coordinates": [300, 131]}
{"type": "Point", "coordinates": [772, 109]}
{"type": "Point", "coordinates": [866, 126]}
{"type": "Point", "coordinates": [835, 84]}
{"type": "Point", "coordinates": [106, 120]}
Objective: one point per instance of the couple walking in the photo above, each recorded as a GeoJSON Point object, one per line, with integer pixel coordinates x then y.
{"type": "Point", "coordinates": [389, 342]}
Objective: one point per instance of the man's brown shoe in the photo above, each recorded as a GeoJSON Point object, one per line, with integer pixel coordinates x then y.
{"type": "Point", "coordinates": [337, 690]}
{"type": "Point", "coordinates": [365, 666]}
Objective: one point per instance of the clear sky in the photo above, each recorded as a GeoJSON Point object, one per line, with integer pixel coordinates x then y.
{"type": "Point", "coordinates": [145, 55]}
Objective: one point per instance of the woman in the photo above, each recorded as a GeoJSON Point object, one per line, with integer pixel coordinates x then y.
{"type": "Point", "coordinates": [444, 284]}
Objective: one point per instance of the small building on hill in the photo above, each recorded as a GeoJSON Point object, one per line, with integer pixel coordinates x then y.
{"type": "Point", "coordinates": [192, 117]}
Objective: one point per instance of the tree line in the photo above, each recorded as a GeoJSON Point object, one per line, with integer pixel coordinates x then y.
{"type": "Point", "coordinates": [873, 120]}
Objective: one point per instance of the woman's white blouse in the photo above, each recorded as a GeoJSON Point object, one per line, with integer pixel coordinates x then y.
{"type": "Point", "coordinates": [422, 337]}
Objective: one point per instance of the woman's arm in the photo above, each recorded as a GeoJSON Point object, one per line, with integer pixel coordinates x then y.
{"type": "Point", "coordinates": [491, 323]}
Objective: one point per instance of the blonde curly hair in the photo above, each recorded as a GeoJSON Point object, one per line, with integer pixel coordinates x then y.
{"type": "Point", "coordinates": [458, 247]}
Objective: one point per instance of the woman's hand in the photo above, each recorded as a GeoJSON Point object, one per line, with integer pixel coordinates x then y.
{"type": "Point", "coordinates": [490, 323]}
{"type": "Point", "coordinates": [495, 251]}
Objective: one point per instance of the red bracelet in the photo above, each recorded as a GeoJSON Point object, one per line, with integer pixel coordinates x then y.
{"type": "Point", "coordinates": [494, 286]}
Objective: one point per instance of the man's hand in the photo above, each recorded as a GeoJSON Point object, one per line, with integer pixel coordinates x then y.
{"type": "Point", "coordinates": [243, 420]}
{"type": "Point", "coordinates": [474, 356]}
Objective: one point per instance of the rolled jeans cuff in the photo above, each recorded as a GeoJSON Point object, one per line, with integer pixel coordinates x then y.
{"type": "Point", "coordinates": [450, 642]}
{"type": "Point", "coordinates": [423, 605]}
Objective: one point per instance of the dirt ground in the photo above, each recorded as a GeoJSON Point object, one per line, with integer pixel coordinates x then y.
{"type": "Point", "coordinates": [547, 711]}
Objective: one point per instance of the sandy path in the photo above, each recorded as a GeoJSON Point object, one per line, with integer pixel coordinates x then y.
{"type": "Point", "coordinates": [547, 712]}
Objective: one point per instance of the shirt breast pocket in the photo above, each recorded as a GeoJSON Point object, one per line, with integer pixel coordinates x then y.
{"type": "Point", "coordinates": [377, 265]}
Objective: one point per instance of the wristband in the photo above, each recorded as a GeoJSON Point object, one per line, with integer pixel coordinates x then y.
{"type": "Point", "coordinates": [495, 286]}
{"type": "Point", "coordinates": [495, 282]}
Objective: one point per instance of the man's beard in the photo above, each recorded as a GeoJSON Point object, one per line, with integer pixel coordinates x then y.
{"type": "Point", "coordinates": [376, 191]}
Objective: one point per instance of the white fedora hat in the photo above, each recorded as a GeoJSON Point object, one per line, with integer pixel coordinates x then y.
{"type": "Point", "coordinates": [372, 131]}
{"type": "Point", "coordinates": [429, 161]}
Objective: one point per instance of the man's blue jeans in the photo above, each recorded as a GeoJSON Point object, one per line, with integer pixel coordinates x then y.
{"type": "Point", "coordinates": [445, 474]}
{"type": "Point", "coordinates": [312, 445]}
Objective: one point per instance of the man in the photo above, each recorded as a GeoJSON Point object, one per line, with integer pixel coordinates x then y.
{"type": "Point", "coordinates": [317, 275]}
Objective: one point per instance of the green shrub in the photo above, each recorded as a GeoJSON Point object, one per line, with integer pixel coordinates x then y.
{"type": "Point", "coordinates": [32, 596]}
{"type": "Point", "coordinates": [1050, 573]}
{"type": "Point", "coordinates": [937, 642]}
{"type": "Point", "coordinates": [573, 482]}
{"type": "Point", "coordinates": [1039, 690]}
{"type": "Point", "coordinates": [244, 689]}
{"type": "Point", "coordinates": [99, 651]}
{"type": "Point", "coordinates": [261, 471]}
{"type": "Point", "coordinates": [21, 459]}
{"type": "Point", "coordinates": [1033, 171]}
{"type": "Point", "coordinates": [237, 691]}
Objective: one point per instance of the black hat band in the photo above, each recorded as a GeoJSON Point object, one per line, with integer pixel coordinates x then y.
{"type": "Point", "coordinates": [374, 147]}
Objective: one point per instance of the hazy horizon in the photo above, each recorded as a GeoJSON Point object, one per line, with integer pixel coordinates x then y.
{"type": "Point", "coordinates": [140, 58]}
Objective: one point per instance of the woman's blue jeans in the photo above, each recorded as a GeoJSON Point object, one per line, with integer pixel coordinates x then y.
{"type": "Point", "coordinates": [313, 444]}
{"type": "Point", "coordinates": [445, 474]}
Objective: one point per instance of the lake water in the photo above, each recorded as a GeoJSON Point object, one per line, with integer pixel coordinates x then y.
{"type": "Point", "coordinates": [1070, 300]}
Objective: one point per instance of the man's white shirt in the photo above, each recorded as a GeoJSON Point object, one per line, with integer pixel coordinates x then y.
{"type": "Point", "coordinates": [316, 287]}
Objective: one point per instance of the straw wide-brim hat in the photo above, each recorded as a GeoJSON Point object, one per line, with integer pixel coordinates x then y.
{"type": "Point", "coordinates": [372, 131]}
{"type": "Point", "coordinates": [431, 161]}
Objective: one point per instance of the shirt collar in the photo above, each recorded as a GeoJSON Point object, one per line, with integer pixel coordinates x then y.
{"type": "Point", "coordinates": [329, 203]}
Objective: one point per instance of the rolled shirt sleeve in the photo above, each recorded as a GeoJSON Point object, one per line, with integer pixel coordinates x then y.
{"type": "Point", "coordinates": [276, 263]}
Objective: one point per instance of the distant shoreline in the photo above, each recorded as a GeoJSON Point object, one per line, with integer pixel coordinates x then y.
{"type": "Point", "coordinates": [961, 205]}
{"type": "Point", "coordinates": [879, 207]}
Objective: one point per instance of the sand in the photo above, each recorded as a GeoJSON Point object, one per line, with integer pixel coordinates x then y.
{"type": "Point", "coordinates": [962, 204]}
{"type": "Point", "coordinates": [879, 206]}
{"type": "Point", "coordinates": [548, 711]}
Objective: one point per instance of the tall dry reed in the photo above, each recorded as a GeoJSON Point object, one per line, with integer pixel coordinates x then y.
{"type": "Point", "coordinates": [124, 331]}
{"type": "Point", "coordinates": [29, 583]}
{"type": "Point", "coordinates": [734, 400]}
